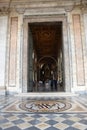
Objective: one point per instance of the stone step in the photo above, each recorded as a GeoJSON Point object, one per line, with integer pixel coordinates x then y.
{"type": "Point", "coordinates": [47, 94]}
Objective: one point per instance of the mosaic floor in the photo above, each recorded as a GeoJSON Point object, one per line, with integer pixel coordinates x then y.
{"type": "Point", "coordinates": [24, 113]}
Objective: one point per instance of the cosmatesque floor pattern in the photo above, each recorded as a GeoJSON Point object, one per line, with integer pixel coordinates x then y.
{"type": "Point", "coordinates": [25, 113]}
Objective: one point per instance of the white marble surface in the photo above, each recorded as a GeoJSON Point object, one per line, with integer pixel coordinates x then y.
{"type": "Point", "coordinates": [3, 31]}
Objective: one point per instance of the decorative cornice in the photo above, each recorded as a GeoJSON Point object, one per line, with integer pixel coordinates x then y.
{"type": "Point", "coordinates": [21, 6]}
{"type": "Point", "coordinates": [39, 3]}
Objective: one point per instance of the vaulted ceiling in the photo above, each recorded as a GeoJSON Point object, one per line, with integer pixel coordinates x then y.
{"type": "Point", "coordinates": [47, 38]}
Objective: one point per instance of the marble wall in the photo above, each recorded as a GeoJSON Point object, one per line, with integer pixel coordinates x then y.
{"type": "Point", "coordinates": [78, 50]}
{"type": "Point", "coordinates": [13, 51]}
{"type": "Point", "coordinates": [3, 41]}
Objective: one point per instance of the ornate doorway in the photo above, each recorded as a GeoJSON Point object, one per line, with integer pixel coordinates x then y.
{"type": "Point", "coordinates": [45, 38]}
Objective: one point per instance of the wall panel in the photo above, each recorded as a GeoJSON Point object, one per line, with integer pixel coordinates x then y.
{"type": "Point", "coordinates": [13, 51]}
{"type": "Point", "coordinates": [78, 50]}
{"type": "Point", "coordinates": [3, 32]}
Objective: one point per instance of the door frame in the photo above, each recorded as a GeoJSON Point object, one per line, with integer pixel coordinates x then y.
{"type": "Point", "coordinates": [52, 18]}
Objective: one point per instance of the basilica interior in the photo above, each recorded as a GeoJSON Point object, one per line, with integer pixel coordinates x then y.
{"type": "Point", "coordinates": [45, 57]}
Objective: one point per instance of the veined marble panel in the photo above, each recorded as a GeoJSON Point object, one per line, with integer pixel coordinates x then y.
{"type": "Point", "coordinates": [78, 50]}
{"type": "Point", "coordinates": [13, 51]}
{"type": "Point", "coordinates": [85, 27]}
{"type": "Point", "coordinates": [3, 33]}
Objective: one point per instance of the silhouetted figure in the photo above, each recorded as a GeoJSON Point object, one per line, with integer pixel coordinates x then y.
{"type": "Point", "coordinates": [51, 84]}
{"type": "Point", "coordinates": [55, 84]}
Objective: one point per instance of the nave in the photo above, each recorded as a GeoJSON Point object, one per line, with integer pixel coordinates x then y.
{"type": "Point", "coordinates": [47, 86]}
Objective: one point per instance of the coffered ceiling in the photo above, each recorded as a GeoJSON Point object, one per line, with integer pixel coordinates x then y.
{"type": "Point", "coordinates": [47, 38]}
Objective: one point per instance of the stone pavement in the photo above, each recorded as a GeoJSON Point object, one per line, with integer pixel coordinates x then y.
{"type": "Point", "coordinates": [14, 117]}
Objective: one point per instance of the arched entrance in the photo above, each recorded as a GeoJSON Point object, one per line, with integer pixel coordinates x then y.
{"type": "Point", "coordinates": [46, 65]}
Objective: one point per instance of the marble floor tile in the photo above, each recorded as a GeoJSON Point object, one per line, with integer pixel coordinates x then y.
{"type": "Point", "coordinates": [13, 117]}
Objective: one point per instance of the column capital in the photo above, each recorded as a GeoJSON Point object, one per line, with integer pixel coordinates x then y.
{"type": "Point", "coordinates": [20, 10]}
{"type": "Point", "coordinates": [4, 10]}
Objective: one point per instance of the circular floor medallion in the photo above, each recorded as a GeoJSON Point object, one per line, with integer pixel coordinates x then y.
{"type": "Point", "coordinates": [45, 106]}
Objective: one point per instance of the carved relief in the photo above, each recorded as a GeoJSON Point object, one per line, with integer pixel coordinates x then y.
{"type": "Point", "coordinates": [69, 8]}
{"type": "Point", "coordinates": [20, 10]}
{"type": "Point", "coordinates": [4, 10]}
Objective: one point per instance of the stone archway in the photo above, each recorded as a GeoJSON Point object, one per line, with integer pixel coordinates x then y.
{"type": "Point", "coordinates": [46, 64]}
{"type": "Point", "coordinates": [31, 19]}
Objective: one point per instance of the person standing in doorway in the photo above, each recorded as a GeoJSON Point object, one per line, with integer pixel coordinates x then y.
{"type": "Point", "coordinates": [51, 84]}
{"type": "Point", "coordinates": [55, 84]}
{"type": "Point", "coordinates": [55, 81]}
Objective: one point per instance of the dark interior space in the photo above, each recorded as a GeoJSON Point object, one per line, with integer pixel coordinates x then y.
{"type": "Point", "coordinates": [45, 60]}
